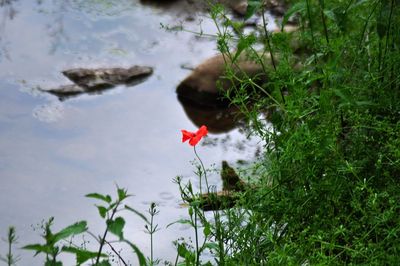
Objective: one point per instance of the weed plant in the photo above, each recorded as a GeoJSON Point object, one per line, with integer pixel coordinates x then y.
{"type": "Point", "coordinates": [328, 191]}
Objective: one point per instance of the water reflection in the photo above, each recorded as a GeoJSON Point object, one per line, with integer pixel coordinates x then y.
{"type": "Point", "coordinates": [126, 136]}
{"type": "Point", "coordinates": [218, 120]}
{"type": "Point", "coordinates": [8, 13]}
{"type": "Point", "coordinates": [56, 29]}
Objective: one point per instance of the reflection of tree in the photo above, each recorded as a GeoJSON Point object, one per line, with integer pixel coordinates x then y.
{"type": "Point", "coordinates": [59, 8]}
{"type": "Point", "coordinates": [8, 13]}
{"type": "Point", "coordinates": [56, 28]}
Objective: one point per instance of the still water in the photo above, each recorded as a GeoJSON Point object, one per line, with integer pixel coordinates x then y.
{"type": "Point", "coordinates": [54, 152]}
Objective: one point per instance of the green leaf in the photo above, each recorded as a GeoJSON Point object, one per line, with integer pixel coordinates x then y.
{"type": "Point", "coordinates": [252, 7]}
{"type": "Point", "coordinates": [137, 213]}
{"type": "Point", "coordinates": [141, 257]}
{"type": "Point", "coordinates": [116, 226]}
{"type": "Point", "coordinates": [106, 198]}
{"type": "Point", "coordinates": [122, 194]}
{"type": "Point", "coordinates": [182, 250]}
{"type": "Point", "coordinates": [81, 254]}
{"type": "Point", "coordinates": [298, 7]}
{"type": "Point", "coordinates": [185, 253]}
{"type": "Point", "coordinates": [102, 211]}
{"type": "Point", "coordinates": [211, 246]}
{"type": "Point", "coordinates": [181, 221]}
{"type": "Point", "coordinates": [38, 248]}
{"type": "Point", "coordinates": [244, 42]}
{"type": "Point", "coordinates": [330, 14]}
{"type": "Point", "coordinates": [207, 230]}
{"type": "Point", "coordinates": [74, 229]}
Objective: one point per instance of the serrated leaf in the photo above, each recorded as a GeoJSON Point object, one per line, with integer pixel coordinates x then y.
{"type": "Point", "coordinates": [137, 213]}
{"type": "Point", "coordinates": [139, 254]}
{"type": "Point", "coordinates": [106, 198]}
{"type": "Point", "coordinates": [38, 248]}
{"type": "Point", "coordinates": [122, 194]}
{"type": "Point", "coordinates": [102, 211]}
{"type": "Point", "coordinates": [81, 254]}
{"type": "Point", "coordinates": [74, 229]}
{"type": "Point", "coordinates": [116, 226]}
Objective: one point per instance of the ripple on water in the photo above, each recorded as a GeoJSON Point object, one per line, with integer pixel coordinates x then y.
{"type": "Point", "coordinates": [49, 113]}
{"type": "Point", "coordinates": [166, 196]}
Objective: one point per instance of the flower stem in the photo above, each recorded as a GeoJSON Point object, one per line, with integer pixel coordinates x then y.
{"type": "Point", "coordinates": [203, 169]}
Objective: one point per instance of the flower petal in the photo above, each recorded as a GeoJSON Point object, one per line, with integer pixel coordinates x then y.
{"type": "Point", "coordinates": [187, 135]}
{"type": "Point", "coordinates": [202, 131]}
{"type": "Point", "coordinates": [193, 141]}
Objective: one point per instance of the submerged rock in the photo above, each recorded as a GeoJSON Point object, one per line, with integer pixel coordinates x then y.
{"type": "Point", "coordinates": [96, 80]}
{"type": "Point", "coordinates": [238, 6]}
{"type": "Point", "coordinates": [201, 88]}
{"type": "Point", "coordinates": [183, 7]}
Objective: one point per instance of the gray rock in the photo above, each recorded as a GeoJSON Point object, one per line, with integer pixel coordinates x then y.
{"type": "Point", "coordinates": [94, 81]}
{"type": "Point", "coordinates": [105, 77]}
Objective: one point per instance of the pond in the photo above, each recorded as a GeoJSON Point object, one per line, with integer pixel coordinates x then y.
{"type": "Point", "coordinates": [54, 152]}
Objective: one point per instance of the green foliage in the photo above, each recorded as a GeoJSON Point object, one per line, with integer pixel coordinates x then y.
{"type": "Point", "coordinates": [52, 246]}
{"type": "Point", "coordinates": [62, 242]}
{"type": "Point", "coordinates": [329, 191]}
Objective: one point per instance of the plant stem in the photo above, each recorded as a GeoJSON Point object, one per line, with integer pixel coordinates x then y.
{"type": "Point", "coordinates": [116, 253]}
{"type": "Point", "coordinates": [11, 240]}
{"type": "Point", "coordinates": [321, 3]}
{"type": "Point", "coordinates": [270, 49]}
{"type": "Point", "coordinates": [203, 169]}
{"type": "Point", "coordinates": [196, 238]}
{"type": "Point", "coordinates": [103, 239]}
{"type": "Point", "coordinates": [268, 40]}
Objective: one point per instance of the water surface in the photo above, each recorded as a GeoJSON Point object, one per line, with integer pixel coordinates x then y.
{"type": "Point", "coordinates": [52, 152]}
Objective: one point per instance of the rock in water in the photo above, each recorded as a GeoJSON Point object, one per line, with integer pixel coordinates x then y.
{"type": "Point", "coordinates": [230, 179]}
{"type": "Point", "coordinates": [200, 87]}
{"type": "Point", "coordinates": [66, 91]}
{"type": "Point", "coordinates": [96, 80]}
{"type": "Point", "coordinates": [106, 77]}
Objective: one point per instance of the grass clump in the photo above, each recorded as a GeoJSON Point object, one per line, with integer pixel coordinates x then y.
{"type": "Point", "coordinates": [328, 193]}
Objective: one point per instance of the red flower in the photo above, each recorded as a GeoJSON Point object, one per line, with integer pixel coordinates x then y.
{"type": "Point", "coordinates": [194, 138]}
